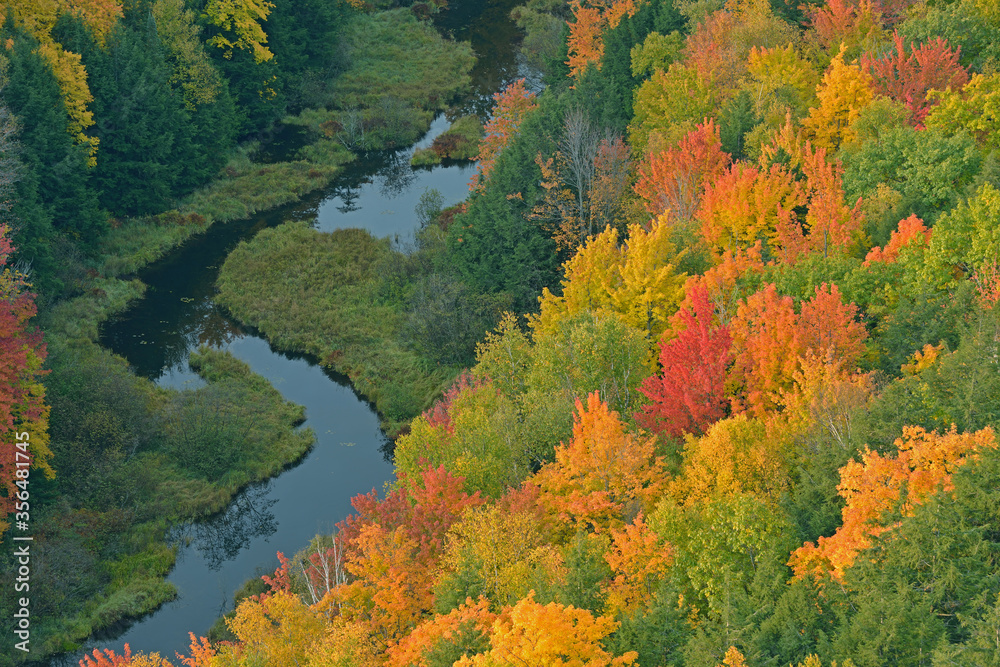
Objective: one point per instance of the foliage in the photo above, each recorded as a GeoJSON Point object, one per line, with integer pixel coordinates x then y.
{"type": "Point", "coordinates": [511, 106]}
{"type": "Point", "coordinates": [551, 634]}
{"type": "Point", "coordinates": [688, 395]}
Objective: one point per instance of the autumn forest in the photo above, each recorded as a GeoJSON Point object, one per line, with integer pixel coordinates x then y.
{"type": "Point", "coordinates": [702, 369]}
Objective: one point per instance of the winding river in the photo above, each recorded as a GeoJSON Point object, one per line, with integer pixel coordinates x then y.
{"type": "Point", "coordinates": [378, 192]}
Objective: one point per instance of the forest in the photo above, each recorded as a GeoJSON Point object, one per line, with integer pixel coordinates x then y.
{"type": "Point", "coordinates": [704, 371]}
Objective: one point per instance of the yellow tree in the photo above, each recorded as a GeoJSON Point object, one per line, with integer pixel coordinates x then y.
{"type": "Point", "coordinates": [846, 89]}
{"type": "Point", "coordinates": [193, 70]}
{"type": "Point", "coordinates": [551, 635]}
{"type": "Point", "coordinates": [637, 280]}
{"type": "Point", "coordinates": [498, 550]}
{"type": "Point", "coordinates": [239, 22]}
{"type": "Point", "coordinates": [737, 456]}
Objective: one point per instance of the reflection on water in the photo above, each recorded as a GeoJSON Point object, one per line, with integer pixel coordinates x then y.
{"type": "Point", "coordinates": [377, 192]}
{"type": "Point", "coordinates": [223, 536]}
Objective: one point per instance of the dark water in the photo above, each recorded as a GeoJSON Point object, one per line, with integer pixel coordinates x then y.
{"type": "Point", "coordinates": [378, 192]}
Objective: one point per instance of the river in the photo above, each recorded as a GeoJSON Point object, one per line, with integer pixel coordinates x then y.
{"type": "Point", "coordinates": [378, 192]}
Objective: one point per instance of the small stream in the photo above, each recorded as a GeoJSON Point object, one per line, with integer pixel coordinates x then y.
{"type": "Point", "coordinates": [377, 192]}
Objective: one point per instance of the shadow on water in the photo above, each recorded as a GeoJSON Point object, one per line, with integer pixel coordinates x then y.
{"type": "Point", "coordinates": [377, 192]}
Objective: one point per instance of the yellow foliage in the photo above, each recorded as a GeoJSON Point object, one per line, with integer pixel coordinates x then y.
{"type": "Point", "coordinates": [733, 658]}
{"type": "Point", "coordinates": [638, 561]}
{"type": "Point", "coordinates": [72, 77]}
{"type": "Point", "coordinates": [241, 19]}
{"type": "Point", "coordinates": [279, 630]}
{"type": "Point", "coordinates": [637, 280]}
{"type": "Point", "coordinates": [501, 549]}
{"type": "Point", "coordinates": [844, 92]}
{"type": "Point", "coordinates": [551, 635]}
{"type": "Point", "coordinates": [737, 456]}
{"type": "Point", "coordinates": [922, 359]}
{"type": "Point", "coordinates": [975, 108]}
{"type": "Point", "coordinates": [193, 71]}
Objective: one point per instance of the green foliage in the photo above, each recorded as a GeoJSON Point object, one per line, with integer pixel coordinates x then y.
{"type": "Point", "coordinates": [927, 169]}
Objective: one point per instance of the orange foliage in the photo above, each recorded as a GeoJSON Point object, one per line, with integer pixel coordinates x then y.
{"type": "Point", "coordinates": [745, 204]}
{"type": "Point", "coordinates": [672, 181]}
{"type": "Point", "coordinates": [391, 589]}
{"type": "Point", "coordinates": [512, 105]}
{"type": "Point", "coordinates": [924, 463]}
{"type": "Point", "coordinates": [601, 471]}
{"type": "Point", "coordinates": [770, 341]}
{"type": "Point", "coordinates": [201, 652]}
{"type": "Point", "coordinates": [833, 226]}
{"type": "Point", "coordinates": [987, 280]}
{"type": "Point", "coordinates": [469, 617]}
{"type": "Point", "coordinates": [585, 41]}
{"type": "Point", "coordinates": [910, 230]}
{"type": "Point", "coordinates": [638, 561]}
{"type": "Point", "coordinates": [721, 280]}
{"type": "Point", "coordinates": [108, 659]}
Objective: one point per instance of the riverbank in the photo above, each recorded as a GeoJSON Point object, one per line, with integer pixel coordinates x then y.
{"type": "Point", "coordinates": [342, 297]}
{"type": "Point", "coordinates": [133, 458]}
{"type": "Point", "coordinates": [386, 98]}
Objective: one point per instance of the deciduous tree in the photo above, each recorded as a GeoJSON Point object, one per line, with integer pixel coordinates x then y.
{"type": "Point", "coordinates": [689, 393]}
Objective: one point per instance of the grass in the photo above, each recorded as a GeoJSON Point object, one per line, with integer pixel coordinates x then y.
{"type": "Point", "coordinates": [394, 55]}
{"type": "Point", "coordinates": [242, 189]}
{"type": "Point", "coordinates": [238, 421]}
{"type": "Point", "coordinates": [325, 295]}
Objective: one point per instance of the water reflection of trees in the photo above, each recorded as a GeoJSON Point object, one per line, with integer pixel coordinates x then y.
{"type": "Point", "coordinates": [222, 537]}
{"type": "Point", "coordinates": [396, 176]}
{"type": "Point", "coordinates": [217, 330]}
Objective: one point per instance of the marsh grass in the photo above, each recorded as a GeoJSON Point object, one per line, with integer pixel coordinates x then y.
{"type": "Point", "coordinates": [242, 188]}
{"type": "Point", "coordinates": [328, 295]}
{"type": "Point", "coordinates": [159, 458]}
{"type": "Point", "coordinates": [392, 54]}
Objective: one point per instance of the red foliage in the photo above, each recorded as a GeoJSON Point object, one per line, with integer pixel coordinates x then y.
{"type": "Point", "coordinates": [425, 509]}
{"type": "Point", "coordinates": [907, 78]}
{"type": "Point", "coordinates": [21, 354]}
{"type": "Point", "coordinates": [674, 179]}
{"type": "Point", "coordinates": [281, 581]}
{"type": "Point", "coordinates": [689, 394]}
{"type": "Point", "coordinates": [845, 21]}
